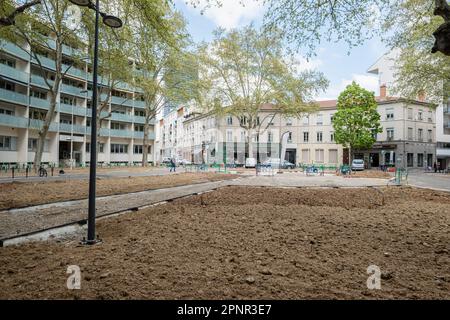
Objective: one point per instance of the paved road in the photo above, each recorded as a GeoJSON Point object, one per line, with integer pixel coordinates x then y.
{"type": "Point", "coordinates": [433, 180]}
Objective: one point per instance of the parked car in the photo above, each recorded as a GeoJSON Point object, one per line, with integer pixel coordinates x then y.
{"type": "Point", "coordinates": [183, 162]}
{"type": "Point", "coordinates": [357, 165]}
{"type": "Point", "coordinates": [276, 164]}
{"type": "Point", "coordinates": [250, 163]}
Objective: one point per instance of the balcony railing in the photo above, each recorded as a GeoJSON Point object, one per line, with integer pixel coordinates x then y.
{"type": "Point", "coordinates": [121, 133]}
{"type": "Point", "coordinates": [65, 127]}
{"type": "Point", "coordinates": [38, 124]}
{"type": "Point", "coordinates": [13, 121]}
{"type": "Point", "coordinates": [122, 101]}
{"type": "Point", "coordinates": [139, 104]}
{"type": "Point", "coordinates": [73, 90]}
{"type": "Point", "coordinates": [13, 97]}
{"type": "Point", "coordinates": [78, 111]}
{"type": "Point", "coordinates": [14, 50]}
{"type": "Point", "coordinates": [40, 103]}
{"type": "Point", "coordinates": [13, 73]}
{"type": "Point", "coordinates": [121, 117]}
{"type": "Point", "coordinates": [138, 119]}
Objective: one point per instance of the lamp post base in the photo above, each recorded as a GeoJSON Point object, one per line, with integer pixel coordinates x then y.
{"type": "Point", "coordinates": [85, 242]}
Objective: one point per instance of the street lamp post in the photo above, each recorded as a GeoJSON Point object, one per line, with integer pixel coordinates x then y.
{"type": "Point", "coordinates": [112, 22]}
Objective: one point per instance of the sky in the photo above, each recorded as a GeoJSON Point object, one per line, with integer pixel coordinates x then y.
{"type": "Point", "coordinates": [339, 66]}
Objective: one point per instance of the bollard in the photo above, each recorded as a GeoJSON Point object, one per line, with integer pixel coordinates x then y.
{"type": "Point", "coordinates": [12, 170]}
{"type": "Point", "coordinates": [26, 172]}
{"type": "Point", "coordinates": [52, 171]}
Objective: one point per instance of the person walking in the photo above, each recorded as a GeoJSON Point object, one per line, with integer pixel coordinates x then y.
{"type": "Point", "coordinates": [435, 167]}
{"type": "Point", "coordinates": [173, 166]}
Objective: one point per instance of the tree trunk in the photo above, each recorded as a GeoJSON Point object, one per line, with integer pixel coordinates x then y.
{"type": "Point", "coordinates": [145, 144]}
{"type": "Point", "coordinates": [250, 146]}
{"type": "Point", "coordinates": [45, 128]}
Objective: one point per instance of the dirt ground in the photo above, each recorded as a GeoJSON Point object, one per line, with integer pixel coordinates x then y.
{"type": "Point", "coordinates": [377, 174]}
{"type": "Point", "coordinates": [252, 243]}
{"type": "Point", "coordinates": [22, 194]}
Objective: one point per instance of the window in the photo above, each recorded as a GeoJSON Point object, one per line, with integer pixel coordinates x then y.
{"type": "Point", "coordinates": [320, 155]}
{"type": "Point", "coordinates": [229, 120]}
{"type": "Point", "coordinates": [305, 136]}
{"type": "Point", "coordinates": [270, 137]}
{"type": "Point", "coordinates": [319, 120]}
{"type": "Point", "coordinates": [332, 156]}
{"type": "Point", "coordinates": [420, 134]}
{"type": "Point", "coordinates": [38, 94]}
{"type": "Point", "coordinates": [67, 100]}
{"type": "Point", "coordinates": [289, 121]}
{"type": "Point", "coordinates": [119, 148]}
{"type": "Point", "coordinates": [139, 113]}
{"type": "Point", "coordinates": [390, 114]}
{"type": "Point", "coordinates": [32, 145]}
{"type": "Point", "coordinates": [410, 159]}
{"type": "Point", "coordinates": [305, 156]}
{"type": "Point", "coordinates": [332, 136]}
{"type": "Point", "coordinates": [319, 136]}
{"type": "Point", "coordinates": [229, 136]}
{"type": "Point", "coordinates": [88, 122]}
{"type": "Point", "coordinates": [332, 118]}
{"type": "Point", "coordinates": [242, 136]}
{"type": "Point", "coordinates": [410, 133]}
{"type": "Point", "coordinates": [430, 116]}
{"type": "Point", "coordinates": [8, 112]}
{"type": "Point", "coordinates": [138, 149]}
{"type": "Point", "coordinates": [7, 85]}
{"type": "Point", "coordinates": [420, 159]}
{"type": "Point", "coordinates": [8, 62]}
{"type": "Point", "coordinates": [117, 126]}
{"type": "Point", "coordinates": [420, 115]}
{"type": "Point", "coordinates": [289, 140]}
{"type": "Point", "coordinates": [139, 127]}
{"type": "Point", "coordinates": [100, 147]}
{"type": "Point", "coordinates": [430, 135]}
{"type": "Point", "coordinates": [390, 133]}
{"type": "Point", "coordinates": [410, 113]}
{"type": "Point", "coordinates": [306, 120]}
{"type": "Point", "coordinates": [8, 143]}
{"type": "Point", "coordinates": [65, 121]}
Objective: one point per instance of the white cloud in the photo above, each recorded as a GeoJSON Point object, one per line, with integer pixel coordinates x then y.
{"type": "Point", "coordinates": [307, 64]}
{"type": "Point", "coordinates": [233, 13]}
{"type": "Point", "coordinates": [366, 81]}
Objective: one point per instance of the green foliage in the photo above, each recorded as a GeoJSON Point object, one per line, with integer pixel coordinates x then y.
{"type": "Point", "coordinates": [356, 121]}
{"type": "Point", "coordinates": [242, 70]}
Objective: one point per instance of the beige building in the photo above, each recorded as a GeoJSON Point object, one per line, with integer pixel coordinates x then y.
{"type": "Point", "coordinates": [408, 138]}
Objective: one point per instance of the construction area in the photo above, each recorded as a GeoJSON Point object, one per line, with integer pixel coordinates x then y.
{"type": "Point", "coordinates": [235, 237]}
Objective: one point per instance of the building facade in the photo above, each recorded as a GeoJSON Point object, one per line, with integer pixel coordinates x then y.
{"type": "Point", "coordinates": [408, 138]}
{"type": "Point", "coordinates": [384, 68]}
{"type": "Point", "coordinates": [24, 104]}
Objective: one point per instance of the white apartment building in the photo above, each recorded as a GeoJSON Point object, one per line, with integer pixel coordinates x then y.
{"type": "Point", "coordinates": [24, 104]}
{"type": "Point", "coordinates": [385, 69]}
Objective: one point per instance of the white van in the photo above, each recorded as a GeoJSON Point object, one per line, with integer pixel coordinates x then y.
{"type": "Point", "coordinates": [250, 162]}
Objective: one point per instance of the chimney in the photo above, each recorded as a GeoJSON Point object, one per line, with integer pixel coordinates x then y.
{"type": "Point", "coordinates": [422, 96]}
{"type": "Point", "coordinates": [383, 92]}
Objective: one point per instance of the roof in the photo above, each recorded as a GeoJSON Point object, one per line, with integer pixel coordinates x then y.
{"type": "Point", "coordinates": [331, 104]}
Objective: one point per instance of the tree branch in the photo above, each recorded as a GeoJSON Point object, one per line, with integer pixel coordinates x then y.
{"type": "Point", "coordinates": [11, 19]}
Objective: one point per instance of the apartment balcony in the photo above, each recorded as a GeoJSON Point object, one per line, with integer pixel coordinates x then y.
{"type": "Point", "coordinates": [13, 73]}
{"type": "Point", "coordinates": [122, 101]}
{"type": "Point", "coordinates": [140, 120]}
{"type": "Point", "coordinates": [139, 104]}
{"type": "Point", "coordinates": [13, 97]}
{"type": "Point", "coordinates": [447, 124]}
{"type": "Point", "coordinates": [121, 117]}
{"type": "Point", "coordinates": [40, 103]}
{"type": "Point", "coordinates": [75, 91]}
{"type": "Point", "coordinates": [140, 135]}
{"type": "Point", "coordinates": [45, 62]}
{"type": "Point", "coordinates": [75, 110]}
{"type": "Point", "coordinates": [15, 50]}
{"type": "Point", "coordinates": [37, 124]}
{"type": "Point", "coordinates": [121, 133]}
{"type": "Point", "coordinates": [65, 127]}
{"type": "Point", "coordinates": [103, 114]}
{"type": "Point", "coordinates": [104, 132]}
{"type": "Point", "coordinates": [13, 121]}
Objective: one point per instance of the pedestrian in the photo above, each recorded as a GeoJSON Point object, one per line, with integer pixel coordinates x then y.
{"type": "Point", "coordinates": [435, 167]}
{"type": "Point", "coordinates": [173, 166]}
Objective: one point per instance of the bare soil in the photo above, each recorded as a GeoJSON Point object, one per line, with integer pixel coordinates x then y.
{"type": "Point", "coordinates": [376, 174]}
{"type": "Point", "coordinates": [252, 243]}
{"type": "Point", "coordinates": [21, 194]}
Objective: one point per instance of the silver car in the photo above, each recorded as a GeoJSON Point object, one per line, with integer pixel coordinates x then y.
{"type": "Point", "coordinates": [358, 165]}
